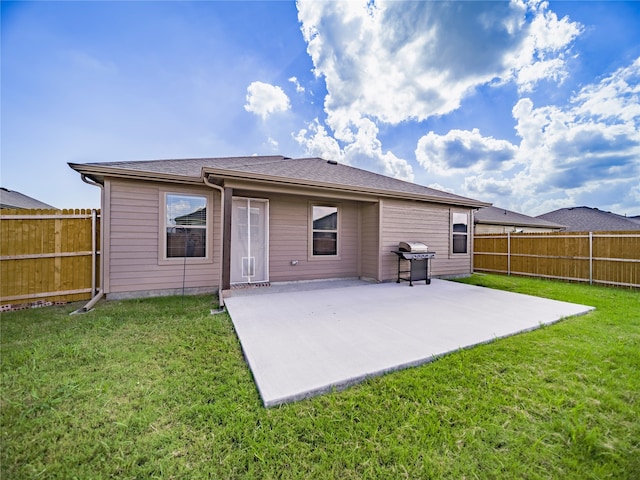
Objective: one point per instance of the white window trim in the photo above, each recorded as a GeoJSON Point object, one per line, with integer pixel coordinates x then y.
{"type": "Point", "coordinates": [452, 233]}
{"type": "Point", "coordinates": [315, 258]}
{"type": "Point", "coordinates": [162, 234]}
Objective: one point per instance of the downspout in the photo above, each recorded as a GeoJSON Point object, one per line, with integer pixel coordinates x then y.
{"type": "Point", "coordinates": [221, 190]}
{"type": "Point", "coordinates": [99, 294]}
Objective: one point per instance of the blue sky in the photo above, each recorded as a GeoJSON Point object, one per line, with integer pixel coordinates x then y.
{"type": "Point", "coordinates": [533, 106]}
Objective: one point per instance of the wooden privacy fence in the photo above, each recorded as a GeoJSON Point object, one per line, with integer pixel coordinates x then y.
{"type": "Point", "coordinates": [48, 255]}
{"type": "Point", "coordinates": [610, 258]}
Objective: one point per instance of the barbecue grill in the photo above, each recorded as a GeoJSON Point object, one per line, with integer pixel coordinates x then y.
{"type": "Point", "coordinates": [417, 255]}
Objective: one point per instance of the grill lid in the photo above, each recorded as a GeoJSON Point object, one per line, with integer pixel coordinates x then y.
{"type": "Point", "coordinates": [415, 247]}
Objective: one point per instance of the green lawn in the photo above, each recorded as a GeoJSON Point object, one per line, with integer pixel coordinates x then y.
{"type": "Point", "coordinates": [158, 388]}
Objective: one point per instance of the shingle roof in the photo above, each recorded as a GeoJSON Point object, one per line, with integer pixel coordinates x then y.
{"type": "Point", "coordinates": [279, 169]}
{"type": "Point", "coordinates": [12, 199]}
{"type": "Point", "coordinates": [587, 219]}
{"type": "Point", "coordinates": [501, 216]}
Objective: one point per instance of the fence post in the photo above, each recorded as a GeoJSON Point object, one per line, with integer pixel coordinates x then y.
{"type": "Point", "coordinates": [508, 253]}
{"type": "Point", "coordinates": [590, 258]}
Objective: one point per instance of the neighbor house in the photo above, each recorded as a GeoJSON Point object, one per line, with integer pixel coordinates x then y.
{"type": "Point", "coordinates": [500, 220]}
{"type": "Point", "coordinates": [210, 223]}
{"type": "Point", "coordinates": [20, 201]}
{"type": "Point", "coordinates": [587, 219]}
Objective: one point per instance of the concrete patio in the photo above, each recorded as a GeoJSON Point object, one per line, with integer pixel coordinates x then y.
{"type": "Point", "coordinates": [305, 339]}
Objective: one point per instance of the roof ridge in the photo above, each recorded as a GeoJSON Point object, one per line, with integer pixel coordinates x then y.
{"type": "Point", "coordinates": [190, 159]}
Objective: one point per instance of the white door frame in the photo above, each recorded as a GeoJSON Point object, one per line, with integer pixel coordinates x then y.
{"type": "Point", "coordinates": [249, 257]}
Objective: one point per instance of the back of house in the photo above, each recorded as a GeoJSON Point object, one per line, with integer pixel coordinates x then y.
{"type": "Point", "coordinates": [201, 225]}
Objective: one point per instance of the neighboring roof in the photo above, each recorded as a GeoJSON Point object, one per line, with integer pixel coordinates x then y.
{"type": "Point", "coordinates": [11, 199]}
{"type": "Point", "coordinates": [309, 172]}
{"type": "Point", "coordinates": [199, 217]}
{"type": "Point", "coordinates": [501, 216]}
{"type": "Point", "coordinates": [587, 219]}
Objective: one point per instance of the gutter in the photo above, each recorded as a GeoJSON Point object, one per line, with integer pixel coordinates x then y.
{"type": "Point", "coordinates": [97, 295]}
{"type": "Point", "coordinates": [221, 190]}
{"type": "Point", "coordinates": [89, 306]}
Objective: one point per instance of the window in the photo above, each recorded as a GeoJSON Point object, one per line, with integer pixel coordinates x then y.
{"type": "Point", "coordinates": [185, 226]}
{"type": "Point", "coordinates": [459, 232]}
{"type": "Point", "coordinates": [324, 230]}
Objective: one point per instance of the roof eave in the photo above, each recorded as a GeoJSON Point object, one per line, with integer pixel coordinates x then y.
{"type": "Point", "coordinates": [98, 173]}
{"type": "Point", "coordinates": [236, 175]}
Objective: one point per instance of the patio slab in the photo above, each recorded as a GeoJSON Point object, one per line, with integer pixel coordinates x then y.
{"type": "Point", "coordinates": [301, 342]}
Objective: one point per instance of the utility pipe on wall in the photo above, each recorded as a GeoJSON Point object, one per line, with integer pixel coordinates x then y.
{"type": "Point", "coordinates": [221, 190]}
{"type": "Point", "coordinates": [97, 295]}
{"type": "Point", "coordinates": [94, 248]}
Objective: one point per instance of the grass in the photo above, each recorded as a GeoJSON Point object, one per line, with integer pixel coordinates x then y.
{"type": "Point", "coordinates": [158, 388]}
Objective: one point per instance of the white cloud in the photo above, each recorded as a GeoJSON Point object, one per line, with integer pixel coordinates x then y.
{"type": "Point", "coordinates": [272, 143]}
{"type": "Point", "coordinates": [386, 61]}
{"type": "Point", "coordinates": [318, 143]}
{"type": "Point", "coordinates": [264, 99]}
{"type": "Point", "coordinates": [583, 153]}
{"type": "Point", "coordinates": [462, 150]}
{"type": "Point", "coordinates": [299, 88]}
{"type": "Point", "coordinates": [395, 61]}
{"type": "Point", "coordinates": [543, 51]}
{"type": "Point", "coordinates": [361, 151]}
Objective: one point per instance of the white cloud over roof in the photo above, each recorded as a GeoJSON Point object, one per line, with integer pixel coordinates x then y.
{"type": "Point", "coordinates": [364, 147]}
{"type": "Point", "coordinates": [264, 99]}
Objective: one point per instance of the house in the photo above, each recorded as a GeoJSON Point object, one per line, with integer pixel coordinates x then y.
{"type": "Point", "coordinates": [499, 220]}
{"type": "Point", "coordinates": [587, 219]}
{"type": "Point", "coordinates": [17, 200]}
{"type": "Point", "coordinates": [210, 223]}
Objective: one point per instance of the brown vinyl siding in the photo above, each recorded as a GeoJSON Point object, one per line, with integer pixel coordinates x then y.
{"type": "Point", "coordinates": [289, 240]}
{"type": "Point", "coordinates": [134, 235]}
{"type": "Point", "coordinates": [370, 240]}
{"type": "Point", "coordinates": [485, 228]}
{"type": "Point", "coordinates": [422, 222]}
{"type": "Point", "coordinates": [368, 231]}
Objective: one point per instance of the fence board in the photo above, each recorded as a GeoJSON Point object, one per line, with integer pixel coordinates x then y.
{"type": "Point", "coordinates": [611, 258]}
{"type": "Point", "coordinates": [47, 254]}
